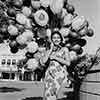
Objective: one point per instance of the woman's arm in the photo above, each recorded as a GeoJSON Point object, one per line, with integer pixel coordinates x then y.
{"type": "Point", "coordinates": [44, 58]}
{"type": "Point", "coordinates": [63, 60]}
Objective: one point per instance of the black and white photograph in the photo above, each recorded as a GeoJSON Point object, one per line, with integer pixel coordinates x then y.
{"type": "Point", "coordinates": [49, 50]}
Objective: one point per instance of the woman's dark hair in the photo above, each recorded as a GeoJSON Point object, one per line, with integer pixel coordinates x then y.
{"type": "Point", "coordinates": [57, 32]}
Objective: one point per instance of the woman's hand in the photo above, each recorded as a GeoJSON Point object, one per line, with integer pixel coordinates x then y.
{"type": "Point", "coordinates": [47, 55]}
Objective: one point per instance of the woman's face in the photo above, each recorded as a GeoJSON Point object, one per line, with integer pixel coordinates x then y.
{"type": "Point", "coordinates": [56, 39]}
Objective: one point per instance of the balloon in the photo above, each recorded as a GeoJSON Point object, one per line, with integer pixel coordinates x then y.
{"type": "Point", "coordinates": [56, 6]}
{"type": "Point", "coordinates": [45, 3]}
{"type": "Point", "coordinates": [26, 11]}
{"type": "Point", "coordinates": [70, 9]}
{"type": "Point", "coordinates": [76, 47]}
{"type": "Point", "coordinates": [41, 17]}
{"type": "Point", "coordinates": [79, 23]}
{"type": "Point", "coordinates": [67, 20]}
{"type": "Point", "coordinates": [48, 31]}
{"type": "Point", "coordinates": [13, 44]}
{"type": "Point", "coordinates": [90, 32]}
{"type": "Point", "coordinates": [3, 30]}
{"type": "Point", "coordinates": [27, 3]}
{"type": "Point", "coordinates": [28, 35]}
{"type": "Point", "coordinates": [68, 45]}
{"type": "Point", "coordinates": [14, 50]}
{"type": "Point", "coordinates": [21, 18]}
{"type": "Point", "coordinates": [35, 4]}
{"type": "Point", "coordinates": [73, 35]}
{"type": "Point", "coordinates": [21, 40]}
{"type": "Point", "coordinates": [81, 42]}
{"type": "Point", "coordinates": [13, 31]}
{"type": "Point", "coordinates": [42, 33]}
{"type": "Point", "coordinates": [18, 3]}
{"type": "Point", "coordinates": [83, 31]}
{"type": "Point", "coordinates": [32, 64]}
{"type": "Point", "coordinates": [32, 47]}
{"type": "Point", "coordinates": [73, 55]}
{"type": "Point", "coordinates": [80, 51]}
{"type": "Point", "coordinates": [63, 13]}
{"type": "Point", "coordinates": [64, 31]}
{"type": "Point", "coordinates": [11, 12]}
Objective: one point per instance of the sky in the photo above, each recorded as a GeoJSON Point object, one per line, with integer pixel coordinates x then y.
{"type": "Point", "coordinates": [91, 10]}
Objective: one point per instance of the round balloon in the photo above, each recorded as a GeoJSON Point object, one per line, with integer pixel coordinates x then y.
{"type": "Point", "coordinates": [32, 64]}
{"type": "Point", "coordinates": [73, 35]}
{"type": "Point", "coordinates": [42, 33]}
{"type": "Point", "coordinates": [56, 6]}
{"type": "Point", "coordinates": [35, 4]}
{"type": "Point", "coordinates": [63, 12]}
{"type": "Point", "coordinates": [76, 47]}
{"type": "Point", "coordinates": [13, 44]}
{"type": "Point", "coordinates": [11, 12]}
{"type": "Point", "coordinates": [28, 34]}
{"type": "Point", "coordinates": [70, 8]}
{"type": "Point", "coordinates": [14, 50]}
{"type": "Point", "coordinates": [41, 17]}
{"type": "Point", "coordinates": [13, 31]}
{"type": "Point", "coordinates": [90, 32]}
{"type": "Point", "coordinates": [48, 31]}
{"type": "Point", "coordinates": [45, 3]}
{"type": "Point", "coordinates": [21, 40]}
{"type": "Point", "coordinates": [26, 11]}
{"type": "Point", "coordinates": [73, 55]}
{"type": "Point", "coordinates": [3, 29]}
{"type": "Point", "coordinates": [80, 51]}
{"type": "Point", "coordinates": [21, 18]}
{"type": "Point", "coordinates": [32, 47]}
{"type": "Point", "coordinates": [18, 3]}
{"type": "Point", "coordinates": [64, 31]}
{"type": "Point", "coordinates": [81, 42]}
{"type": "Point", "coordinates": [83, 31]}
{"type": "Point", "coordinates": [68, 45]}
{"type": "Point", "coordinates": [67, 20]}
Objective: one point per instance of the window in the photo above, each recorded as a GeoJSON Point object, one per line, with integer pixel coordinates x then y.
{"type": "Point", "coordinates": [13, 61]}
{"type": "Point", "coordinates": [3, 61]}
{"type": "Point", "coordinates": [8, 62]}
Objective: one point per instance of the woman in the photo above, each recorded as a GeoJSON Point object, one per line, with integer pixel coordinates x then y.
{"type": "Point", "coordinates": [56, 72]}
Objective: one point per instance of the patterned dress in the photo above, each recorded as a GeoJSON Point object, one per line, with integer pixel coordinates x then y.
{"type": "Point", "coordinates": [56, 74]}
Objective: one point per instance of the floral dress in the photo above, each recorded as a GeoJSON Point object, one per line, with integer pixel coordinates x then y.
{"type": "Point", "coordinates": [56, 74]}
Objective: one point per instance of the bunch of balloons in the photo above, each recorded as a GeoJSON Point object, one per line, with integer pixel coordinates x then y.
{"type": "Point", "coordinates": [23, 22]}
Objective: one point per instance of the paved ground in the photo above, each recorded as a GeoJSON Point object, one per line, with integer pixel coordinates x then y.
{"type": "Point", "coordinates": [14, 90]}
{"type": "Point", "coordinates": [25, 90]}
